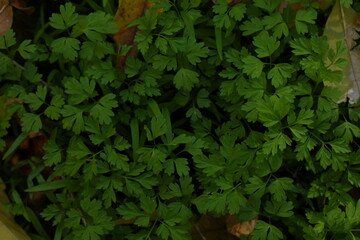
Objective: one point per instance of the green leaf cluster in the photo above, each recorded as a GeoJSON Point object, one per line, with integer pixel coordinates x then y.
{"type": "Point", "coordinates": [223, 110]}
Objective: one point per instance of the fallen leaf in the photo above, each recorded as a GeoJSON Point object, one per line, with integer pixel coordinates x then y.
{"type": "Point", "coordinates": [225, 227]}
{"type": "Point", "coordinates": [19, 4]}
{"type": "Point", "coordinates": [6, 13]}
{"type": "Point", "coordinates": [9, 230]}
{"type": "Point", "coordinates": [209, 227]}
{"type": "Point", "coordinates": [127, 12]}
{"type": "Point", "coordinates": [340, 25]}
{"type": "Point", "coordinates": [239, 229]}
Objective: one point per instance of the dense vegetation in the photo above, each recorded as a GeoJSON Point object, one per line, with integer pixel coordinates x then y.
{"type": "Point", "coordinates": [223, 110]}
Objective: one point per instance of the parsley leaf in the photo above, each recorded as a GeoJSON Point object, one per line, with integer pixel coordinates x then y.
{"type": "Point", "coordinates": [102, 110]}
{"type": "Point", "coordinates": [280, 73]}
{"type": "Point", "coordinates": [67, 47]}
{"type": "Point", "coordinates": [264, 231]}
{"type": "Point", "coordinates": [79, 90]}
{"type": "Point", "coordinates": [276, 22]}
{"type": "Point", "coordinates": [253, 66]}
{"type": "Point", "coordinates": [266, 44]}
{"type": "Point", "coordinates": [153, 157]}
{"type": "Point", "coordinates": [279, 186]}
{"type": "Point", "coordinates": [256, 187]}
{"type": "Point", "coordinates": [31, 122]}
{"type": "Point", "coordinates": [26, 49]}
{"type": "Point", "coordinates": [304, 17]}
{"type": "Point", "coordinates": [281, 209]}
{"type": "Point", "coordinates": [238, 11]}
{"type": "Point", "coordinates": [73, 119]}
{"type": "Point", "coordinates": [267, 5]}
{"type": "Point", "coordinates": [195, 51]}
{"type": "Point", "coordinates": [65, 19]}
{"type": "Point", "coordinates": [53, 155]}
{"type": "Point", "coordinates": [251, 26]}
{"type": "Point", "coordinates": [94, 25]}
{"type": "Point", "coordinates": [53, 111]}
{"type": "Point", "coordinates": [8, 39]}
{"type": "Point", "coordinates": [186, 79]}
{"type": "Point", "coordinates": [36, 100]}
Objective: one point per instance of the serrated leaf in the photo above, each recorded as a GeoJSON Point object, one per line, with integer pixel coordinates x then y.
{"type": "Point", "coordinates": [340, 146]}
{"type": "Point", "coordinates": [202, 98]}
{"type": "Point", "coordinates": [281, 209]}
{"type": "Point", "coordinates": [65, 19]}
{"type": "Point", "coordinates": [210, 166]}
{"type": "Point", "coordinates": [194, 114]}
{"type": "Point", "coordinates": [253, 66]}
{"type": "Point", "coordinates": [279, 186]}
{"type": "Point", "coordinates": [53, 112]}
{"type": "Point", "coordinates": [162, 62]}
{"type": "Point", "coordinates": [77, 149]}
{"type": "Point", "coordinates": [304, 17]}
{"type": "Point", "coordinates": [102, 111]}
{"type": "Point", "coordinates": [129, 210]}
{"type": "Point", "coordinates": [222, 20]}
{"type": "Point", "coordinates": [182, 168]}
{"type": "Point", "coordinates": [53, 155]}
{"type": "Point", "coordinates": [34, 101]}
{"type": "Point", "coordinates": [266, 44]}
{"type": "Point", "coordinates": [277, 24]}
{"type": "Point", "coordinates": [161, 44]}
{"type": "Point", "coordinates": [276, 142]}
{"type": "Point", "coordinates": [94, 25]}
{"type": "Point", "coordinates": [31, 122]}
{"type": "Point", "coordinates": [324, 156]}
{"type": "Point", "coordinates": [8, 39]}
{"type": "Point", "coordinates": [26, 49]}
{"type": "Point", "coordinates": [153, 157]}
{"type": "Point", "coordinates": [235, 201]}
{"type": "Point", "coordinates": [186, 79]}
{"type": "Point", "coordinates": [301, 46]}
{"type": "Point", "coordinates": [256, 187]}
{"type": "Point", "coordinates": [195, 51]}
{"type": "Point", "coordinates": [280, 73]}
{"type": "Point", "coordinates": [238, 11]}
{"type": "Point", "coordinates": [73, 119]}
{"type": "Point", "coordinates": [252, 26]}
{"type": "Point", "coordinates": [66, 46]}
{"type": "Point", "coordinates": [353, 212]}
{"type": "Point", "coordinates": [158, 127]}
{"type": "Point", "coordinates": [268, 5]}
{"type": "Point", "coordinates": [265, 231]}
{"type": "Point", "coordinates": [347, 131]}
{"type": "Point", "coordinates": [120, 161]}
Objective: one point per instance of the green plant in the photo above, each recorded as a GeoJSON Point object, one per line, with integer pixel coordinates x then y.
{"type": "Point", "coordinates": [223, 111]}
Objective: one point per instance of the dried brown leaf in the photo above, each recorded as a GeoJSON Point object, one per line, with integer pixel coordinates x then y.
{"type": "Point", "coordinates": [6, 13]}
{"type": "Point", "coordinates": [6, 17]}
{"type": "Point", "coordinates": [238, 229]}
{"type": "Point", "coordinates": [209, 227]}
{"type": "Point", "coordinates": [22, 6]}
{"type": "Point", "coordinates": [127, 12]}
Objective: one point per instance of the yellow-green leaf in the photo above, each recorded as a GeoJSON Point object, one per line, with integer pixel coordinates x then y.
{"type": "Point", "coordinates": [9, 230]}
{"type": "Point", "coordinates": [340, 30]}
